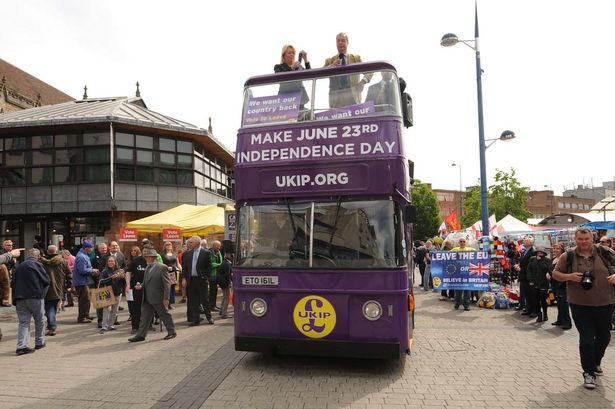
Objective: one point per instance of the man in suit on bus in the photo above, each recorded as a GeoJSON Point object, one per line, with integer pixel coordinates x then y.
{"type": "Point", "coordinates": [345, 90]}
{"type": "Point", "coordinates": [196, 269]}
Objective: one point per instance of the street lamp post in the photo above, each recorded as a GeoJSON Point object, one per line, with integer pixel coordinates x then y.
{"type": "Point", "coordinates": [449, 40]}
{"type": "Point", "coordinates": [460, 187]}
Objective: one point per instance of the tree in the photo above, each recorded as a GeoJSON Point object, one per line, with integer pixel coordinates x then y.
{"type": "Point", "coordinates": [471, 207]}
{"type": "Point", "coordinates": [506, 196]}
{"type": "Point", "coordinates": [427, 211]}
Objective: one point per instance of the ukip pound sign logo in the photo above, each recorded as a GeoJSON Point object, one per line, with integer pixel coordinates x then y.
{"type": "Point", "coordinates": [314, 316]}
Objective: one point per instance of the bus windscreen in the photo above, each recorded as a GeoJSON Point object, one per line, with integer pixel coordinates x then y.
{"type": "Point", "coordinates": [354, 234]}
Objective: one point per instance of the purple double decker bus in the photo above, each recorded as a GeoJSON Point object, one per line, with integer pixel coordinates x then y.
{"type": "Point", "coordinates": [323, 251]}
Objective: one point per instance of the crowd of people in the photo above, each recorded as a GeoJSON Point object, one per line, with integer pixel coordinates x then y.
{"type": "Point", "coordinates": [581, 280]}
{"type": "Point", "coordinates": [49, 280]}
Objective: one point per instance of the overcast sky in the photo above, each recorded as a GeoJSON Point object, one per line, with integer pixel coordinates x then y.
{"type": "Point", "coordinates": [548, 69]}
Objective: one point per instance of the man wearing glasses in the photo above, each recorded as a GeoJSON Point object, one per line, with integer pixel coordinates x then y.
{"type": "Point", "coordinates": [590, 281]}
{"type": "Point", "coordinates": [463, 294]}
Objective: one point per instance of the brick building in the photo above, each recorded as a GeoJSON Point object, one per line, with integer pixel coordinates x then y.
{"type": "Point", "coordinates": [20, 90]}
{"type": "Point", "coordinates": [544, 203]}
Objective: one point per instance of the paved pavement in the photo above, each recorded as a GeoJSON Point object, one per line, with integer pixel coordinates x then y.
{"type": "Point", "coordinates": [479, 359]}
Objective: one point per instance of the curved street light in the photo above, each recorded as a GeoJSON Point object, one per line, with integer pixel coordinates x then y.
{"type": "Point", "coordinates": [449, 40]}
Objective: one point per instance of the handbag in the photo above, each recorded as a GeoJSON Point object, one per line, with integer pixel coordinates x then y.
{"type": "Point", "coordinates": [102, 297]}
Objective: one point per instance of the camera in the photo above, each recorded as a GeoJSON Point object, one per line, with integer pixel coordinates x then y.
{"type": "Point", "coordinates": [587, 281]}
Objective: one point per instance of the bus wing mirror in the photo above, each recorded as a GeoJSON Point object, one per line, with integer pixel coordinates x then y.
{"type": "Point", "coordinates": [409, 214]}
{"type": "Point", "coordinates": [406, 107]}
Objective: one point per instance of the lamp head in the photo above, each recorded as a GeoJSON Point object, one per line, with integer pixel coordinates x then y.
{"type": "Point", "coordinates": [507, 135]}
{"type": "Point", "coordinates": [449, 40]}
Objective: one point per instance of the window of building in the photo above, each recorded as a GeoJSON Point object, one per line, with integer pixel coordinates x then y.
{"type": "Point", "coordinates": [560, 205]}
{"type": "Point", "coordinates": [97, 155]}
{"type": "Point", "coordinates": [184, 177]}
{"type": "Point", "coordinates": [15, 159]}
{"type": "Point", "coordinates": [15, 143]}
{"type": "Point", "coordinates": [64, 141]}
{"type": "Point", "coordinates": [167, 158]}
{"type": "Point", "coordinates": [63, 174]}
{"type": "Point", "coordinates": [42, 142]}
{"type": "Point", "coordinates": [41, 175]}
{"type": "Point", "coordinates": [184, 147]}
{"type": "Point", "coordinates": [143, 174]}
{"type": "Point", "coordinates": [146, 142]}
{"type": "Point", "coordinates": [95, 138]}
{"type": "Point", "coordinates": [12, 176]}
{"type": "Point", "coordinates": [125, 173]}
{"type": "Point", "coordinates": [166, 144]}
{"type": "Point", "coordinates": [96, 174]}
{"type": "Point", "coordinates": [145, 157]}
{"type": "Point", "coordinates": [42, 158]}
{"type": "Point", "coordinates": [124, 139]}
{"type": "Point", "coordinates": [67, 156]}
{"type": "Point", "coordinates": [184, 161]}
{"type": "Point", "coordinates": [125, 155]}
{"type": "Point", "coordinates": [167, 177]}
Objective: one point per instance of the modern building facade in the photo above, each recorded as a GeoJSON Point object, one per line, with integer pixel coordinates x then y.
{"type": "Point", "coordinates": [84, 168]}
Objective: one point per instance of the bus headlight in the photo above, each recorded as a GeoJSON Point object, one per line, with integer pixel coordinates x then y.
{"type": "Point", "coordinates": [258, 307]}
{"type": "Point", "coordinates": [372, 310]}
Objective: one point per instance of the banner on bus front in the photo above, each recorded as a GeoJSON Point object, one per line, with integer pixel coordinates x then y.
{"type": "Point", "coordinates": [460, 270]}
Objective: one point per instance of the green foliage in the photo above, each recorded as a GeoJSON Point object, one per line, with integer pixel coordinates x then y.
{"type": "Point", "coordinates": [506, 196]}
{"type": "Point", "coordinates": [427, 211]}
{"type": "Point", "coordinates": [471, 207]}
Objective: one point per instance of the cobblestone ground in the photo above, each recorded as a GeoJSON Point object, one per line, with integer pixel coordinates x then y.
{"type": "Point", "coordinates": [477, 359]}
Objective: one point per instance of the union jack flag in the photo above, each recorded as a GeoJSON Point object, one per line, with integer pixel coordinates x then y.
{"type": "Point", "coordinates": [479, 269]}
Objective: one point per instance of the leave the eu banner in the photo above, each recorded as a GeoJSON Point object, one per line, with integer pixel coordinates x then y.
{"type": "Point", "coordinates": [460, 270]}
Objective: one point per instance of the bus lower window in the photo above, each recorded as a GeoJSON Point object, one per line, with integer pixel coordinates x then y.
{"type": "Point", "coordinates": [362, 234]}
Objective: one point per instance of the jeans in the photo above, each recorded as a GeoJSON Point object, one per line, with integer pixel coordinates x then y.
{"type": "Point", "coordinates": [426, 277]}
{"type": "Point", "coordinates": [26, 309]}
{"type": "Point", "coordinates": [51, 309]}
{"type": "Point", "coordinates": [465, 294]}
{"type": "Point", "coordinates": [563, 312]}
{"type": "Point", "coordinates": [226, 292]}
{"type": "Point", "coordinates": [594, 326]}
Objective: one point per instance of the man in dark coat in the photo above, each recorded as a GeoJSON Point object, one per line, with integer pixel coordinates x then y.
{"type": "Point", "coordinates": [156, 290]}
{"type": "Point", "coordinates": [30, 283]}
{"type": "Point", "coordinates": [196, 269]}
{"type": "Point", "coordinates": [526, 302]}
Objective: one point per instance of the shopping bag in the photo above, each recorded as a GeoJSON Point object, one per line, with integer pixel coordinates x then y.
{"type": "Point", "coordinates": [231, 298]}
{"type": "Point", "coordinates": [102, 297]}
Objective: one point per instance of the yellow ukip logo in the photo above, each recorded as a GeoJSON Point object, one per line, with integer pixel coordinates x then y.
{"type": "Point", "coordinates": [314, 316]}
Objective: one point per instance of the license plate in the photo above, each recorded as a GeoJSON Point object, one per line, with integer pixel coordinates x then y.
{"type": "Point", "coordinates": [259, 280]}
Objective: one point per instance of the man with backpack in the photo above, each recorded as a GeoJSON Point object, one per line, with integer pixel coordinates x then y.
{"type": "Point", "coordinates": [589, 274]}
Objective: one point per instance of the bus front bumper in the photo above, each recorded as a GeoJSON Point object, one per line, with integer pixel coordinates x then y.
{"type": "Point", "coordinates": [346, 349]}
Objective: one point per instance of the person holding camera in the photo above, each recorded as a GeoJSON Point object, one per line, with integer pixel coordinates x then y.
{"type": "Point", "coordinates": [591, 293]}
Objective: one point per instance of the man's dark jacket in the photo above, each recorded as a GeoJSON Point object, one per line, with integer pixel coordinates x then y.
{"type": "Point", "coordinates": [30, 280]}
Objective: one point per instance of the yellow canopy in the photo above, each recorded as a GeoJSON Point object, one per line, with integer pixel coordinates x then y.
{"type": "Point", "coordinates": [192, 220]}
